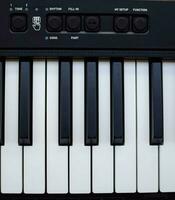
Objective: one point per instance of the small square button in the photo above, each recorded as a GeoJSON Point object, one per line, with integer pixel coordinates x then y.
{"type": "Point", "coordinates": [73, 23]}
{"type": "Point", "coordinates": [18, 22]}
{"type": "Point", "coordinates": [121, 23]}
{"type": "Point", "coordinates": [140, 24]}
{"type": "Point", "coordinates": [92, 23]}
{"type": "Point", "coordinates": [54, 23]}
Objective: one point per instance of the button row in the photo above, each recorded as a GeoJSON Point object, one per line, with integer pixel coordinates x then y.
{"type": "Point", "coordinates": [126, 23]}
{"type": "Point", "coordinates": [75, 23]}
{"type": "Point", "coordinates": [56, 23]}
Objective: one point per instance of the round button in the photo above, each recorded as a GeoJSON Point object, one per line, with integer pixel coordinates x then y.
{"type": "Point", "coordinates": [121, 24]}
{"type": "Point", "coordinates": [54, 23]}
{"type": "Point", "coordinates": [18, 23]}
{"type": "Point", "coordinates": [140, 24]}
{"type": "Point", "coordinates": [92, 23]}
{"type": "Point", "coordinates": [73, 23]}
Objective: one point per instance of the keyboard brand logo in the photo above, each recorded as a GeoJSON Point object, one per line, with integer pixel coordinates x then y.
{"type": "Point", "coordinates": [36, 23]}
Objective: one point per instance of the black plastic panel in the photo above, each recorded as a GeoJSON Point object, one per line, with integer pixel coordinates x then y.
{"type": "Point", "coordinates": [136, 196]}
{"type": "Point", "coordinates": [159, 39]}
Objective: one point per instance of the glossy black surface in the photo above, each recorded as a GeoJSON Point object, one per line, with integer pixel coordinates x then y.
{"type": "Point", "coordinates": [25, 103]}
{"type": "Point", "coordinates": [91, 102]}
{"type": "Point", "coordinates": [156, 103]}
{"type": "Point", "coordinates": [65, 103]}
{"type": "Point", "coordinates": [117, 102]}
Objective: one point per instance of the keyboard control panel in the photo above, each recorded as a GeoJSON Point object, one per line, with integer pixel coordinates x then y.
{"type": "Point", "coordinates": [66, 26]}
{"type": "Point", "coordinates": [91, 23]}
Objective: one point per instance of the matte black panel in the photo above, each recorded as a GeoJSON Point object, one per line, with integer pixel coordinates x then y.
{"type": "Point", "coordinates": [2, 98]}
{"type": "Point", "coordinates": [117, 103]}
{"type": "Point", "coordinates": [65, 103]}
{"type": "Point", "coordinates": [25, 102]}
{"type": "Point", "coordinates": [37, 37]}
{"type": "Point", "coordinates": [91, 102]}
{"type": "Point", "coordinates": [114, 196]}
{"type": "Point", "coordinates": [81, 53]}
{"type": "Point", "coordinates": [156, 104]}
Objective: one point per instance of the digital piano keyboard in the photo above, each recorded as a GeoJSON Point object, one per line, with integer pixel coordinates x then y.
{"type": "Point", "coordinates": [87, 99]}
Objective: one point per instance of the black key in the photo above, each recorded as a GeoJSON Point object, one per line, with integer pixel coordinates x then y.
{"type": "Point", "coordinates": [91, 102]}
{"type": "Point", "coordinates": [25, 103]}
{"type": "Point", "coordinates": [2, 97]}
{"type": "Point", "coordinates": [65, 103]}
{"type": "Point", "coordinates": [156, 104]}
{"type": "Point", "coordinates": [117, 103]}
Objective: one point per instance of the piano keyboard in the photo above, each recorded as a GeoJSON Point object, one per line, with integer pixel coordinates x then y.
{"type": "Point", "coordinates": [87, 126]}
{"type": "Point", "coordinates": [87, 100]}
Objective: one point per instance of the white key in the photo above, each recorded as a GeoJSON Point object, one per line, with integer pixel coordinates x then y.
{"type": "Point", "coordinates": [80, 165]}
{"type": "Point", "coordinates": [102, 155]}
{"type": "Point", "coordinates": [147, 155]}
{"type": "Point", "coordinates": [34, 156]}
{"type": "Point", "coordinates": [57, 156]}
{"type": "Point", "coordinates": [125, 156]}
{"type": "Point", "coordinates": [167, 151]}
{"type": "Point", "coordinates": [11, 153]}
